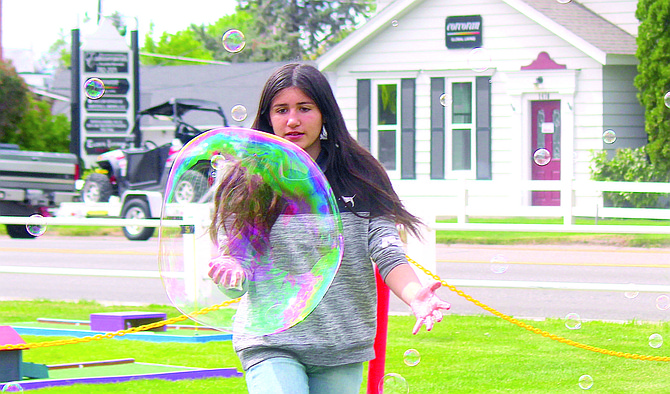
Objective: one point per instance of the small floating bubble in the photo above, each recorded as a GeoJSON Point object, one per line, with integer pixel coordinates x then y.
{"type": "Point", "coordinates": [573, 321]}
{"type": "Point", "coordinates": [499, 264]}
{"type": "Point", "coordinates": [655, 341]}
{"type": "Point", "coordinates": [393, 383]}
{"type": "Point", "coordinates": [233, 41]}
{"type": "Point", "coordinates": [542, 157]}
{"type": "Point", "coordinates": [663, 302]}
{"type": "Point", "coordinates": [394, 23]}
{"type": "Point", "coordinates": [94, 88]}
{"type": "Point", "coordinates": [36, 225]}
{"type": "Point", "coordinates": [479, 60]}
{"type": "Point", "coordinates": [411, 357]}
{"type": "Point", "coordinates": [445, 100]}
{"type": "Point", "coordinates": [585, 382]}
{"type": "Point", "coordinates": [238, 113]}
{"type": "Point", "coordinates": [609, 136]}
{"type": "Point", "coordinates": [666, 99]}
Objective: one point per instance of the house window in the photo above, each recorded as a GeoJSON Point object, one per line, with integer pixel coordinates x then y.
{"type": "Point", "coordinates": [462, 127]}
{"type": "Point", "coordinates": [384, 141]}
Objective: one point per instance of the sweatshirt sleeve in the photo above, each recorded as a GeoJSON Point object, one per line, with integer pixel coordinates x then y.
{"type": "Point", "coordinates": [386, 248]}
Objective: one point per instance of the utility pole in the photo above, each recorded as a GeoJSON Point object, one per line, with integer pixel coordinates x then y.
{"type": "Point", "coordinates": [1, 30]}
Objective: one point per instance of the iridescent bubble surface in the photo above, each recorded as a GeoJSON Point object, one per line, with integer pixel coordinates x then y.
{"type": "Point", "coordinates": [411, 357]}
{"type": "Point", "coordinates": [94, 88]}
{"type": "Point", "coordinates": [573, 321]}
{"type": "Point", "coordinates": [36, 225]}
{"type": "Point", "coordinates": [12, 387]}
{"type": "Point", "coordinates": [288, 275]}
{"type": "Point", "coordinates": [585, 382]}
{"type": "Point", "coordinates": [479, 60]}
{"type": "Point", "coordinates": [233, 41]}
{"type": "Point", "coordinates": [542, 157]}
{"type": "Point", "coordinates": [499, 264]}
{"type": "Point", "coordinates": [609, 136]}
{"type": "Point", "coordinates": [393, 383]}
{"type": "Point", "coordinates": [666, 99]}
{"type": "Point", "coordinates": [238, 113]}
{"type": "Point", "coordinates": [663, 302]}
{"type": "Point", "coordinates": [655, 340]}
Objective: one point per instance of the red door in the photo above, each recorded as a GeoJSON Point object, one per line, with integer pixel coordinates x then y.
{"type": "Point", "coordinates": [546, 134]}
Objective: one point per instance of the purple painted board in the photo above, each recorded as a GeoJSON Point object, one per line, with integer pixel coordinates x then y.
{"type": "Point", "coordinates": [116, 321]}
{"type": "Point", "coordinates": [179, 375]}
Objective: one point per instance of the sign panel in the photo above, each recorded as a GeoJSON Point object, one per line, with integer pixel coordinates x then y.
{"type": "Point", "coordinates": [106, 125]}
{"type": "Point", "coordinates": [98, 145]}
{"type": "Point", "coordinates": [463, 31]}
{"type": "Point", "coordinates": [118, 86]}
{"type": "Point", "coordinates": [107, 104]}
{"type": "Point", "coordinates": [106, 62]}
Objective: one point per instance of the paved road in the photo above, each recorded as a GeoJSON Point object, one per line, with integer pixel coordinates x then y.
{"type": "Point", "coordinates": [457, 264]}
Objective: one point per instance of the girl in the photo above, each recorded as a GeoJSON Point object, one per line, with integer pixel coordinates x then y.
{"type": "Point", "coordinates": [325, 352]}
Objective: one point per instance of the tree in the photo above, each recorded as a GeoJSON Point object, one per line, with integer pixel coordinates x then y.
{"type": "Point", "coordinates": [653, 79]}
{"type": "Point", "coordinates": [183, 43]}
{"type": "Point", "coordinates": [301, 28]}
{"type": "Point", "coordinates": [274, 30]}
{"type": "Point", "coordinates": [40, 130]}
{"type": "Point", "coordinates": [13, 100]}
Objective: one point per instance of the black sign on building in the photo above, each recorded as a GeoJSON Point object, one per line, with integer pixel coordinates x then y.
{"type": "Point", "coordinates": [463, 31]}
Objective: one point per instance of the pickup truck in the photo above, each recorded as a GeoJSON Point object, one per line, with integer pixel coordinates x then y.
{"type": "Point", "coordinates": [33, 183]}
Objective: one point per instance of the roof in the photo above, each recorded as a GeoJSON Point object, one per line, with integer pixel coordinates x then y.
{"type": "Point", "coordinates": [581, 27]}
{"type": "Point", "coordinates": [581, 22]}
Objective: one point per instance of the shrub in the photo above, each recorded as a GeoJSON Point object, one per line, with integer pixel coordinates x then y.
{"type": "Point", "coordinates": [628, 165]}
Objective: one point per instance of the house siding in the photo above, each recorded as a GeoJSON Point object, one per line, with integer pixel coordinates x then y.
{"type": "Point", "coordinates": [592, 96]}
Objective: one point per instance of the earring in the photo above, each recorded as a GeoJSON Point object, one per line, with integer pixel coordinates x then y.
{"type": "Point", "coordinates": [324, 134]}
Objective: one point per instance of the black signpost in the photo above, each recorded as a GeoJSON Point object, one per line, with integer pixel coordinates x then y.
{"type": "Point", "coordinates": [106, 121]}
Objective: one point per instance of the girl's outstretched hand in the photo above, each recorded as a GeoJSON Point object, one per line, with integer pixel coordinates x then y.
{"type": "Point", "coordinates": [226, 271]}
{"type": "Point", "coordinates": [426, 306]}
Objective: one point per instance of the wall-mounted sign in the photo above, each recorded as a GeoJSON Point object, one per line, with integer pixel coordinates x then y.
{"type": "Point", "coordinates": [106, 125]}
{"type": "Point", "coordinates": [106, 62]}
{"type": "Point", "coordinates": [463, 31]}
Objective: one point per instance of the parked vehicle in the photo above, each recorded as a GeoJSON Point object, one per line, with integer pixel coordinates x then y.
{"type": "Point", "coordinates": [138, 175]}
{"type": "Point", "coordinates": [33, 183]}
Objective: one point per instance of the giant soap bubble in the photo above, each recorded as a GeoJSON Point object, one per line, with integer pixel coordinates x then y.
{"type": "Point", "coordinates": [279, 220]}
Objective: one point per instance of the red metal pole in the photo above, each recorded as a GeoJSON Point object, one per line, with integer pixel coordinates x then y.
{"type": "Point", "coordinates": [376, 366]}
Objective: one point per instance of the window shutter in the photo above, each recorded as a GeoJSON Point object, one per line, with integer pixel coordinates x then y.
{"type": "Point", "coordinates": [408, 128]}
{"type": "Point", "coordinates": [483, 102]}
{"type": "Point", "coordinates": [436, 129]}
{"type": "Point", "coordinates": [363, 112]}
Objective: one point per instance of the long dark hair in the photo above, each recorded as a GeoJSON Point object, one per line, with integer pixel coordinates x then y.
{"type": "Point", "coordinates": [348, 166]}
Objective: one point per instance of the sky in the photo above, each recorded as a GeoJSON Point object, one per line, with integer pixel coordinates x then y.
{"type": "Point", "coordinates": [36, 24]}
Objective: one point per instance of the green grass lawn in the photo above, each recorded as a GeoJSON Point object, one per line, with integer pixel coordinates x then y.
{"type": "Point", "coordinates": [463, 354]}
{"type": "Point", "coordinates": [522, 237]}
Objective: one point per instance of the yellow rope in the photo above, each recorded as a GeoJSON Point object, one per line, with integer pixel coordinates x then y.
{"type": "Point", "coordinates": [422, 268]}
{"type": "Point", "coordinates": [131, 330]}
{"type": "Point", "coordinates": [537, 330]}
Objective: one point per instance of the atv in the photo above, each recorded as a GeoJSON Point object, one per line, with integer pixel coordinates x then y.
{"type": "Point", "coordinates": [137, 176]}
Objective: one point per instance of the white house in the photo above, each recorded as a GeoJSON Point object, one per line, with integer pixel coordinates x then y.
{"type": "Point", "coordinates": [447, 93]}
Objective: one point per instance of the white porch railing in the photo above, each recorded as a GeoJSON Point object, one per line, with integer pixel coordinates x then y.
{"type": "Point", "coordinates": [475, 198]}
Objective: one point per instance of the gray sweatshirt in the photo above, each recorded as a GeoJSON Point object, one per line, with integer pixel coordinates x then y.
{"type": "Point", "coordinates": [341, 329]}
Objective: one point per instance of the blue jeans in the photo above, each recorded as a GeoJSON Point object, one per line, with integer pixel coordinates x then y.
{"type": "Point", "coordinates": [283, 375]}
